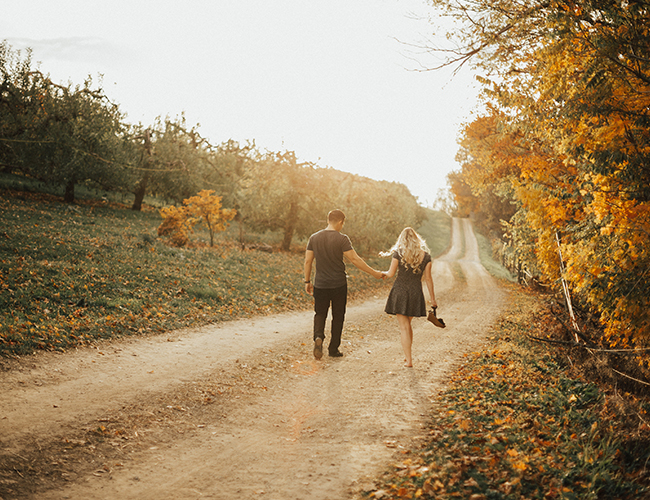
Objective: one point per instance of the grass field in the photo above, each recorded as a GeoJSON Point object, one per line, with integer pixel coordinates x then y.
{"type": "Point", "coordinates": [70, 274]}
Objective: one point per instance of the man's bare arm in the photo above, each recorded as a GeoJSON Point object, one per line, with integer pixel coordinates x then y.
{"type": "Point", "coordinates": [361, 264]}
{"type": "Point", "coordinates": [309, 259]}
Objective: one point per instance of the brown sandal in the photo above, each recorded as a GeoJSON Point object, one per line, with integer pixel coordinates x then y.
{"type": "Point", "coordinates": [435, 319]}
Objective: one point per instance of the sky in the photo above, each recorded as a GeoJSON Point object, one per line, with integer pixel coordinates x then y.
{"type": "Point", "coordinates": [338, 82]}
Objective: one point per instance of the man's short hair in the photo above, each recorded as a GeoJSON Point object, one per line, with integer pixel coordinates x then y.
{"type": "Point", "coordinates": [335, 216]}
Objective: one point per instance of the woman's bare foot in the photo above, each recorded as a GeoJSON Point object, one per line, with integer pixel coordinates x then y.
{"type": "Point", "coordinates": [408, 365]}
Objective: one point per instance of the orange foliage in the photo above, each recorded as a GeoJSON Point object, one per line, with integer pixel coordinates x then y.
{"type": "Point", "coordinates": [206, 209]}
{"type": "Point", "coordinates": [566, 131]}
{"type": "Point", "coordinates": [178, 222]}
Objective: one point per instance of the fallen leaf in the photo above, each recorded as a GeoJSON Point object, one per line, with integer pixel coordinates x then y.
{"type": "Point", "coordinates": [470, 483]}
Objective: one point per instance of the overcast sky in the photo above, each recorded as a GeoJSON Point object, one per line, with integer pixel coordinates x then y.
{"type": "Point", "coordinates": [332, 80]}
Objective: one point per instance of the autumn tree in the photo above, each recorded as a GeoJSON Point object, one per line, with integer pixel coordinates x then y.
{"type": "Point", "coordinates": [177, 224]}
{"type": "Point", "coordinates": [572, 82]}
{"type": "Point", "coordinates": [204, 208]}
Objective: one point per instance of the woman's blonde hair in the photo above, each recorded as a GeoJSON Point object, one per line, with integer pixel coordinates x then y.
{"type": "Point", "coordinates": [409, 246]}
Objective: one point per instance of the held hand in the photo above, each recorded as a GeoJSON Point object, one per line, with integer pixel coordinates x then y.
{"type": "Point", "coordinates": [434, 303]}
{"type": "Point", "coordinates": [309, 288]}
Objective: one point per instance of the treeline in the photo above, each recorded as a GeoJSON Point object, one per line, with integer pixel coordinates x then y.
{"type": "Point", "coordinates": [67, 136]}
{"type": "Point", "coordinates": [557, 166]}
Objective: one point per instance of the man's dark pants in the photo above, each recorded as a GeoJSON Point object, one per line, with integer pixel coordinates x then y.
{"type": "Point", "coordinates": [338, 298]}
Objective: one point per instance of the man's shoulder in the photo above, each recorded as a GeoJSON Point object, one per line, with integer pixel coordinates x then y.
{"type": "Point", "coordinates": [328, 233]}
{"type": "Point", "coordinates": [330, 236]}
{"type": "Point", "coordinates": [346, 238]}
{"type": "Point", "coordinates": [317, 235]}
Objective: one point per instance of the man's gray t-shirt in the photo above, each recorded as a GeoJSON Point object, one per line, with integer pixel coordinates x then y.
{"type": "Point", "coordinates": [328, 247]}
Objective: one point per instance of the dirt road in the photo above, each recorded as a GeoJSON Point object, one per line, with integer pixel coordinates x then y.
{"type": "Point", "coordinates": [241, 409]}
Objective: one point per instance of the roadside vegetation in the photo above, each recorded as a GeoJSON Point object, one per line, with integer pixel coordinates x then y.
{"type": "Point", "coordinates": [553, 168]}
{"type": "Point", "coordinates": [518, 420]}
{"type": "Point", "coordinates": [530, 416]}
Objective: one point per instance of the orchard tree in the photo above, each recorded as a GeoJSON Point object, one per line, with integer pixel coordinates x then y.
{"type": "Point", "coordinates": [226, 166]}
{"type": "Point", "coordinates": [60, 134]}
{"type": "Point", "coordinates": [22, 92]}
{"type": "Point", "coordinates": [282, 194]}
{"type": "Point", "coordinates": [170, 160]}
{"type": "Point", "coordinates": [377, 210]}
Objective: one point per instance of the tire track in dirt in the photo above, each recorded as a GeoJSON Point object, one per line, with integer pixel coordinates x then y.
{"type": "Point", "coordinates": [280, 425]}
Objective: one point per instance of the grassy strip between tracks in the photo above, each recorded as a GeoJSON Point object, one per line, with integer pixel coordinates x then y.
{"type": "Point", "coordinates": [518, 423]}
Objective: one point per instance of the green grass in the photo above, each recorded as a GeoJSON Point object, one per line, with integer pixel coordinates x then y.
{"type": "Point", "coordinates": [515, 423]}
{"type": "Point", "coordinates": [70, 275]}
{"type": "Point", "coordinates": [23, 186]}
{"type": "Point", "coordinates": [491, 265]}
{"type": "Point", "coordinates": [436, 230]}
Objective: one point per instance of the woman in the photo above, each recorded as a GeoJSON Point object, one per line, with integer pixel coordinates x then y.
{"type": "Point", "coordinates": [412, 262]}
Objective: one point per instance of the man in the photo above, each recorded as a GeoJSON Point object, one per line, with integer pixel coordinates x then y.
{"type": "Point", "coordinates": [327, 247]}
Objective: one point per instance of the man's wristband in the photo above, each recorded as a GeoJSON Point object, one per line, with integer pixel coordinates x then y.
{"type": "Point", "coordinates": [309, 281]}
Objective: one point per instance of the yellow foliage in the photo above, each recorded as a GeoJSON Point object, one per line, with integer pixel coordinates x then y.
{"type": "Point", "coordinates": [204, 208]}
{"type": "Point", "coordinates": [568, 135]}
{"type": "Point", "coordinates": [176, 224]}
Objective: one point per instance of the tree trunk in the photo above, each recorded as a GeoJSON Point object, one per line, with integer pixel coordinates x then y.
{"type": "Point", "coordinates": [211, 231]}
{"type": "Point", "coordinates": [141, 188]}
{"type": "Point", "coordinates": [68, 197]}
{"type": "Point", "coordinates": [139, 192]}
{"type": "Point", "coordinates": [290, 226]}
{"type": "Point", "coordinates": [240, 221]}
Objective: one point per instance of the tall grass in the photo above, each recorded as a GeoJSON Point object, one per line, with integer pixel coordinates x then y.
{"type": "Point", "coordinates": [436, 230]}
{"type": "Point", "coordinates": [487, 259]}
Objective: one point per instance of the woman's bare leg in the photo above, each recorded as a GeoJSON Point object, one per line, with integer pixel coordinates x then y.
{"type": "Point", "coordinates": [406, 332]}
